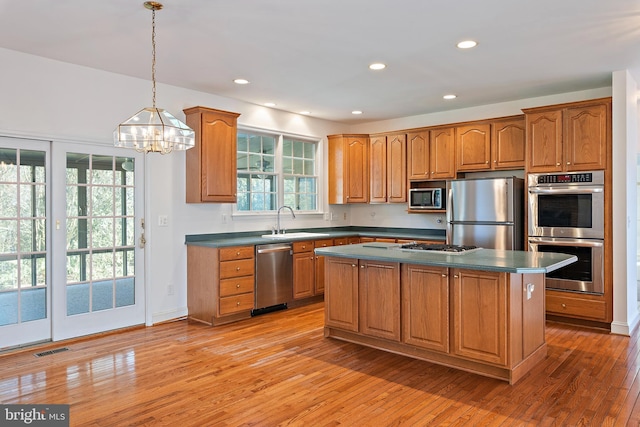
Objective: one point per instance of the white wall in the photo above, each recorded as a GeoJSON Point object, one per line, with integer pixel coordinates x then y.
{"type": "Point", "coordinates": [51, 100]}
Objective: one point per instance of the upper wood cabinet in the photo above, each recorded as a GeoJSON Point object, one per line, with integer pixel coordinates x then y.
{"type": "Point", "coordinates": [431, 154]}
{"type": "Point", "coordinates": [348, 169]}
{"type": "Point", "coordinates": [211, 165]}
{"type": "Point", "coordinates": [569, 137]}
{"type": "Point", "coordinates": [491, 145]}
{"type": "Point", "coordinates": [388, 168]}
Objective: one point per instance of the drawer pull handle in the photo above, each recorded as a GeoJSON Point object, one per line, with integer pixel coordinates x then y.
{"type": "Point", "coordinates": [238, 286]}
{"type": "Point", "coordinates": [444, 275]}
{"type": "Point", "coordinates": [564, 305]}
{"type": "Point", "coordinates": [237, 268]}
{"type": "Point", "coordinates": [238, 253]}
{"type": "Point", "coordinates": [238, 303]}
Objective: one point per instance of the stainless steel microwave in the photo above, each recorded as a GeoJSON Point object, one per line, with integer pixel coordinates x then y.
{"type": "Point", "coordinates": [426, 198]}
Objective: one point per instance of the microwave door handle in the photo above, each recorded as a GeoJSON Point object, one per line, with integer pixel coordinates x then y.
{"type": "Point", "coordinates": [565, 242]}
{"type": "Point", "coordinates": [556, 190]}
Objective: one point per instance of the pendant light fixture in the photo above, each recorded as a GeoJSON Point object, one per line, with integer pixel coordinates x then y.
{"type": "Point", "coordinates": [154, 130]}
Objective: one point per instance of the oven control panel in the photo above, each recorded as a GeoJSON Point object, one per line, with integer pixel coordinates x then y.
{"type": "Point", "coordinates": [565, 178]}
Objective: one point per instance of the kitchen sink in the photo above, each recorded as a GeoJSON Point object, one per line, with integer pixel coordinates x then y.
{"type": "Point", "coordinates": [298, 235]}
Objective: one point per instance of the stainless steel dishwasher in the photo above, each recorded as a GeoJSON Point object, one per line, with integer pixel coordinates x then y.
{"type": "Point", "coordinates": [274, 277]}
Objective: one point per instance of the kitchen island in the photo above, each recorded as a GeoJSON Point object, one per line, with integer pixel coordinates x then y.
{"type": "Point", "coordinates": [481, 311]}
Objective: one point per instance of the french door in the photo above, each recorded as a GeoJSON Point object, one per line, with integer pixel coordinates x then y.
{"type": "Point", "coordinates": [70, 218]}
{"type": "Point", "coordinates": [98, 269]}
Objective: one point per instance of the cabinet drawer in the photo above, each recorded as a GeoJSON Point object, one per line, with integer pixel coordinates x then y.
{"type": "Point", "coordinates": [239, 285]}
{"type": "Point", "coordinates": [236, 252]}
{"type": "Point", "coordinates": [236, 303]}
{"type": "Point", "coordinates": [323, 243]}
{"type": "Point", "coordinates": [306, 246]}
{"type": "Point", "coordinates": [576, 307]}
{"type": "Point", "coordinates": [341, 241]}
{"type": "Point", "coordinates": [241, 267]}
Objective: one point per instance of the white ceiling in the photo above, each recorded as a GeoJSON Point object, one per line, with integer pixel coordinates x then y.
{"type": "Point", "coordinates": [314, 56]}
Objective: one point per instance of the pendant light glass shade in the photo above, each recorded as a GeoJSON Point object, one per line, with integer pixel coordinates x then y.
{"type": "Point", "coordinates": [154, 130]}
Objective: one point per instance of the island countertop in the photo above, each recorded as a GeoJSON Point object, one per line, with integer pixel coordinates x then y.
{"type": "Point", "coordinates": [482, 259]}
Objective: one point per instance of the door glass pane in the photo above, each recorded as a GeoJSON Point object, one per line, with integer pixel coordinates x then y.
{"type": "Point", "coordinates": [23, 245]}
{"type": "Point", "coordinates": [100, 232]}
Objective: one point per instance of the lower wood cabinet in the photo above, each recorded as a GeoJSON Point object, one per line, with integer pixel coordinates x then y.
{"type": "Point", "coordinates": [491, 323]}
{"type": "Point", "coordinates": [220, 283]}
{"type": "Point", "coordinates": [303, 269]}
{"type": "Point", "coordinates": [379, 299]}
{"type": "Point", "coordinates": [425, 307]}
{"type": "Point", "coordinates": [479, 310]}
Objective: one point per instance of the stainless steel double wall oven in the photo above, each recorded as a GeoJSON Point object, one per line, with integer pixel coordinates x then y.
{"type": "Point", "coordinates": [566, 214]}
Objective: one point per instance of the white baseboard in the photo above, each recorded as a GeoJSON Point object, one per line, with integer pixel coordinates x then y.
{"type": "Point", "coordinates": [166, 316]}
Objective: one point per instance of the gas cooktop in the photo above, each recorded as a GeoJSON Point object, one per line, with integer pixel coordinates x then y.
{"type": "Point", "coordinates": [441, 248]}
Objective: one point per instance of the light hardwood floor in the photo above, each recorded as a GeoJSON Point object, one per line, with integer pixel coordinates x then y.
{"type": "Point", "coordinates": [278, 369]}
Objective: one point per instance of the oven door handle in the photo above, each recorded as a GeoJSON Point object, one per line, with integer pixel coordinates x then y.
{"type": "Point", "coordinates": [566, 242]}
{"type": "Point", "coordinates": [557, 190]}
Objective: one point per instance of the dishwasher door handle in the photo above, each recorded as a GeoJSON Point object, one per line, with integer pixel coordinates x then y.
{"type": "Point", "coordinates": [272, 250]}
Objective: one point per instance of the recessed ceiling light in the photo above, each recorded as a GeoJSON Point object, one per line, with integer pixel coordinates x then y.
{"type": "Point", "coordinates": [356, 112]}
{"type": "Point", "coordinates": [269, 104]}
{"type": "Point", "coordinates": [467, 44]}
{"type": "Point", "coordinates": [377, 66]}
{"type": "Point", "coordinates": [241, 81]}
{"type": "Point", "coordinates": [305, 112]}
{"type": "Point", "coordinates": [452, 96]}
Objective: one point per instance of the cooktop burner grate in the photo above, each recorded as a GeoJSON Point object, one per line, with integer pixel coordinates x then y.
{"type": "Point", "coordinates": [437, 247]}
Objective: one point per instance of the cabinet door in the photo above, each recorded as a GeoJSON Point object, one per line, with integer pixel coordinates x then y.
{"type": "Point", "coordinates": [425, 307]}
{"type": "Point", "coordinates": [507, 144]}
{"type": "Point", "coordinates": [303, 274]}
{"type": "Point", "coordinates": [473, 147]}
{"type": "Point", "coordinates": [442, 153]}
{"type": "Point", "coordinates": [586, 137]}
{"type": "Point", "coordinates": [357, 169]}
{"type": "Point", "coordinates": [396, 169]}
{"type": "Point", "coordinates": [544, 141]}
{"type": "Point", "coordinates": [479, 315]}
{"type": "Point", "coordinates": [341, 293]}
{"type": "Point", "coordinates": [378, 169]}
{"type": "Point", "coordinates": [319, 267]}
{"type": "Point", "coordinates": [418, 155]}
{"type": "Point", "coordinates": [380, 299]}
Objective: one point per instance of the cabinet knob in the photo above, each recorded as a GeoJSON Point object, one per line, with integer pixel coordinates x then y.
{"type": "Point", "coordinates": [557, 164]}
{"type": "Point", "coordinates": [564, 305]}
{"type": "Point", "coordinates": [353, 265]}
{"type": "Point", "coordinates": [237, 268]}
{"type": "Point", "coordinates": [455, 276]}
{"type": "Point", "coordinates": [311, 258]}
{"type": "Point", "coordinates": [487, 162]}
{"type": "Point", "coordinates": [238, 303]}
{"type": "Point", "coordinates": [238, 285]}
{"type": "Point", "coordinates": [495, 161]}
{"type": "Point", "coordinates": [444, 275]}
{"type": "Point", "coordinates": [304, 246]}
{"type": "Point", "coordinates": [568, 163]}
{"type": "Point", "coordinates": [431, 173]}
{"type": "Point", "coordinates": [238, 253]}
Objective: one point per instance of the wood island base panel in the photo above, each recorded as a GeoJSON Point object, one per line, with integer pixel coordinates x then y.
{"type": "Point", "coordinates": [473, 314]}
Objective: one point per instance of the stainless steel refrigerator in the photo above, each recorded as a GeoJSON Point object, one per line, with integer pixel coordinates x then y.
{"type": "Point", "coordinates": [486, 212]}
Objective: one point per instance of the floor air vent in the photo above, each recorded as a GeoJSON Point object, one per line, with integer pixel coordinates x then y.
{"type": "Point", "coordinates": [49, 352]}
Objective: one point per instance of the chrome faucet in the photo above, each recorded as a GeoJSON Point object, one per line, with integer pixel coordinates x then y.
{"type": "Point", "coordinates": [278, 230]}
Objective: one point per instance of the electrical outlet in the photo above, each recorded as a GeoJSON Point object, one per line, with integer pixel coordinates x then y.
{"type": "Point", "coordinates": [224, 218]}
{"type": "Point", "coordinates": [344, 216]}
{"type": "Point", "coordinates": [170, 290]}
{"type": "Point", "coordinates": [163, 220]}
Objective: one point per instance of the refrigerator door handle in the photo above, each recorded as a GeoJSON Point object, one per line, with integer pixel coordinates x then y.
{"type": "Point", "coordinates": [449, 217]}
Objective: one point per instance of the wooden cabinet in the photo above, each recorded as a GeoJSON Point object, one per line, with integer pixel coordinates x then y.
{"type": "Point", "coordinates": [379, 305]}
{"type": "Point", "coordinates": [211, 174]}
{"type": "Point", "coordinates": [425, 307]}
{"type": "Point", "coordinates": [491, 145]}
{"type": "Point", "coordinates": [220, 283]}
{"type": "Point", "coordinates": [388, 168]}
{"type": "Point", "coordinates": [473, 147]}
{"type": "Point", "coordinates": [341, 293]}
{"type": "Point", "coordinates": [569, 137]}
{"type": "Point", "coordinates": [319, 265]}
{"type": "Point", "coordinates": [577, 306]}
{"type": "Point", "coordinates": [348, 169]}
{"type": "Point", "coordinates": [303, 269]}
{"type": "Point", "coordinates": [508, 143]}
{"type": "Point", "coordinates": [431, 154]}
{"type": "Point", "coordinates": [479, 301]}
